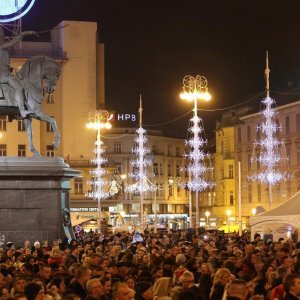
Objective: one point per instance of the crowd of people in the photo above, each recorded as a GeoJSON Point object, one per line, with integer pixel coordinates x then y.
{"type": "Point", "coordinates": [179, 265]}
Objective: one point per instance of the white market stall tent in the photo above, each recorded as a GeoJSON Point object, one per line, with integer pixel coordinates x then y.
{"type": "Point", "coordinates": [282, 221]}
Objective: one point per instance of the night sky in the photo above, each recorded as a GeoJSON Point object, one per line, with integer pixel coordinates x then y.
{"type": "Point", "coordinates": [150, 45]}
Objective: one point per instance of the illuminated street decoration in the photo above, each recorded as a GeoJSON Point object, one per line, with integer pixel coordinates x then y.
{"type": "Point", "coordinates": [11, 10]}
{"type": "Point", "coordinates": [194, 89]}
{"type": "Point", "coordinates": [101, 187]}
{"type": "Point", "coordinates": [272, 149]}
{"type": "Point", "coordinates": [140, 164]}
{"type": "Point", "coordinates": [269, 157]}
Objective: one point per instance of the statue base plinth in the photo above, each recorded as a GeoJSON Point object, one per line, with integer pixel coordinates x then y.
{"type": "Point", "coordinates": [34, 199]}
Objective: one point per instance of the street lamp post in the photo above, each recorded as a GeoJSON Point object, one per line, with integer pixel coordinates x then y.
{"type": "Point", "coordinates": [228, 213]}
{"type": "Point", "coordinates": [207, 214]}
{"type": "Point", "coordinates": [97, 120]}
{"type": "Point", "coordinates": [194, 89]}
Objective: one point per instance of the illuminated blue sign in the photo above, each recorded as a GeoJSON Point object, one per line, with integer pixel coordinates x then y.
{"type": "Point", "coordinates": [11, 10]}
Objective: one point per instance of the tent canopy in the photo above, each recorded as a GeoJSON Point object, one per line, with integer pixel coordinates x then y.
{"type": "Point", "coordinates": [285, 217]}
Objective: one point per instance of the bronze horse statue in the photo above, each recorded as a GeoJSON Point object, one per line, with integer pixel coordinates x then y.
{"type": "Point", "coordinates": [38, 77]}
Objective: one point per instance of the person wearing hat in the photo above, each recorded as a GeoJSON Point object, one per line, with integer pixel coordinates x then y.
{"type": "Point", "coordinates": [10, 245]}
{"type": "Point", "coordinates": [144, 290]}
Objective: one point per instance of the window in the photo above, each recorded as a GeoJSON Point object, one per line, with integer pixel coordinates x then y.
{"type": "Point", "coordinates": [50, 99]}
{"type": "Point", "coordinates": [177, 171]}
{"type": "Point", "coordinates": [287, 124]}
{"type": "Point", "coordinates": [78, 185]}
{"type": "Point", "coordinates": [154, 149]}
{"type": "Point", "coordinates": [3, 122]}
{"type": "Point", "coordinates": [21, 150]}
{"type": "Point", "coordinates": [3, 151]}
{"type": "Point", "coordinates": [50, 151]}
{"type": "Point", "coordinates": [258, 161]}
{"type": "Point", "coordinates": [248, 133]}
{"type": "Point", "coordinates": [155, 168]}
{"type": "Point", "coordinates": [239, 134]}
{"type": "Point", "coordinates": [250, 194]}
{"type": "Point", "coordinates": [249, 162]}
{"type": "Point", "coordinates": [117, 147]}
{"type": "Point", "coordinates": [298, 157]}
{"type": "Point", "coordinates": [170, 190]}
{"type": "Point", "coordinates": [169, 170]}
{"type": "Point", "coordinates": [118, 167]}
{"type": "Point", "coordinates": [298, 121]}
{"type": "Point", "coordinates": [259, 193]}
{"type": "Point", "coordinates": [222, 173]}
{"type": "Point", "coordinates": [231, 198]}
{"type": "Point", "coordinates": [177, 151]}
{"type": "Point", "coordinates": [160, 169]}
{"type": "Point", "coordinates": [209, 199]}
{"type": "Point", "coordinates": [222, 148]}
{"type": "Point", "coordinates": [21, 126]}
{"type": "Point", "coordinates": [169, 150]}
{"type": "Point", "coordinates": [230, 171]}
{"type": "Point", "coordinates": [135, 170]}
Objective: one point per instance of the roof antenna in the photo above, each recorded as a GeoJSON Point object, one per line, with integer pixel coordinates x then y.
{"type": "Point", "coordinates": [267, 73]}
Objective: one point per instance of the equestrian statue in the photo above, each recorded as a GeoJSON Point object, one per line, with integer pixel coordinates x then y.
{"type": "Point", "coordinates": [22, 92]}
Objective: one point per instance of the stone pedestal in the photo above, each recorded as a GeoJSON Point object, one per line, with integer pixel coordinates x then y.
{"type": "Point", "coordinates": [34, 199]}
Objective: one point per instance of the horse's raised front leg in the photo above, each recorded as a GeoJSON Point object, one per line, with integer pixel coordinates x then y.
{"type": "Point", "coordinates": [44, 117]}
{"type": "Point", "coordinates": [28, 129]}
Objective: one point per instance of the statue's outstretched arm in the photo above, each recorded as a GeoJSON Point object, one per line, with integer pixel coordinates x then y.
{"type": "Point", "coordinates": [17, 39]}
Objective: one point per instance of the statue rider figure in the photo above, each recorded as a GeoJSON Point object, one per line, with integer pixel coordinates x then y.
{"type": "Point", "coordinates": [5, 69]}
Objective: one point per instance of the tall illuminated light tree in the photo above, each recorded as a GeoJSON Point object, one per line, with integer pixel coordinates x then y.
{"type": "Point", "coordinates": [194, 89]}
{"type": "Point", "coordinates": [271, 147]}
{"type": "Point", "coordinates": [101, 187]}
{"type": "Point", "coordinates": [140, 165]}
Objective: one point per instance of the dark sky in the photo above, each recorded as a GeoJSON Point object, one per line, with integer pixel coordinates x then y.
{"type": "Point", "coordinates": [152, 44]}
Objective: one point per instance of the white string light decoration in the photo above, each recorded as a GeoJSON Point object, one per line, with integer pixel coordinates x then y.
{"type": "Point", "coordinates": [201, 174]}
{"type": "Point", "coordinates": [272, 149]}
{"type": "Point", "coordinates": [101, 187]}
{"type": "Point", "coordinates": [141, 164]}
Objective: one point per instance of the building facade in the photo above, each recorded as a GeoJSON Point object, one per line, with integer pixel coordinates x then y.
{"type": "Point", "coordinates": [236, 134]}
{"type": "Point", "coordinates": [255, 196]}
{"type": "Point", "coordinates": [169, 202]}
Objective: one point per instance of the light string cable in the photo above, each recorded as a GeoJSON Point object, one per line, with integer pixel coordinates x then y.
{"type": "Point", "coordinates": [247, 100]}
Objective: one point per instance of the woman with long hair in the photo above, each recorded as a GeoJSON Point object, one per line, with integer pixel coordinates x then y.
{"type": "Point", "coordinates": [221, 278]}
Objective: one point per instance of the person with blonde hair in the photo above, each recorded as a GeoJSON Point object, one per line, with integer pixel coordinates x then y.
{"type": "Point", "coordinates": [161, 287]}
{"type": "Point", "coordinates": [221, 279]}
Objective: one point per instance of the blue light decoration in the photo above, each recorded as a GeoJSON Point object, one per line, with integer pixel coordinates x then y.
{"type": "Point", "coordinates": [11, 10]}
